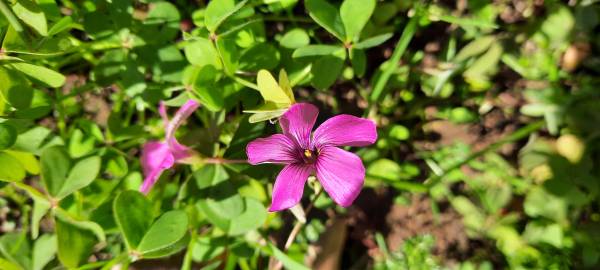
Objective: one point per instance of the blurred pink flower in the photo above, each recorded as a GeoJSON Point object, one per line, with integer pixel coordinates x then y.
{"type": "Point", "coordinates": [159, 156]}
{"type": "Point", "coordinates": [341, 173]}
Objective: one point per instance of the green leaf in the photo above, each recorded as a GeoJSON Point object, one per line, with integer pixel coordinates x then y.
{"type": "Point", "coordinates": [486, 64]}
{"type": "Point", "coordinates": [36, 140]}
{"type": "Point", "coordinates": [55, 165]}
{"type": "Point", "coordinates": [207, 89]}
{"type": "Point", "coordinates": [41, 205]}
{"type": "Point", "coordinates": [326, 70]}
{"type": "Point", "coordinates": [252, 218]}
{"type": "Point", "coordinates": [327, 16]}
{"type": "Point", "coordinates": [260, 56]}
{"type": "Point", "coordinates": [11, 169]}
{"type": "Point", "coordinates": [65, 23]}
{"type": "Point", "coordinates": [80, 144]}
{"type": "Point", "coordinates": [40, 74]}
{"type": "Point", "coordinates": [16, 249]}
{"type": "Point", "coordinates": [538, 232]}
{"type": "Point", "coordinates": [44, 250]}
{"type": "Point", "coordinates": [474, 48]}
{"type": "Point", "coordinates": [15, 88]}
{"type": "Point", "coordinates": [295, 38]}
{"type": "Point", "coordinates": [288, 262]}
{"type": "Point", "coordinates": [133, 215]}
{"type": "Point", "coordinates": [270, 89]}
{"type": "Point", "coordinates": [316, 50]}
{"type": "Point", "coordinates": [8, 136]}
{"type": "Point", "coordinates": [7, 265]}
{"type": "Point", "coordinates": [245, 133]}
{"type": "Point", "coordinates": [359, 62]}
{"type": "Point", "coordinates": [3, 21]}
{"type": "Point", "coordinates": [162, 12]}
{"type": "Point", "coordinates": [207, 247]}
{"type": "Point", "coordinates": [80, 176]}
{"type": "Point", "coordinates": [540, 203]}
{"type": "Point", "coordinates": [32, 15]}
{"type": "Point", "coordinates": [229, 55]}
{"type": "Point", "coordinates": [167, 235]}
{"type": "Point", "coordinates": [222, 195]}
{"type": "Point", "coordinates": [472, 216]}
{"type": "Point", "coordinates": [355, 14]}
{"type": "Point", "coordinates": [266, 115]}
{"type": "Point", "coordinates": [218, 11]}
{"type": "Point", "coordinates": [201, 52]}
{"type": "Point", "coordinates": [373, 41]}
{"type": "Point", "coordinates": [391, 171]}
{"type": "Point", "coordinates": [76, 239]}
{"type": "Point", "coordinates": [20, 96]}
{"type": "Point", "coordinates": [558, 24]}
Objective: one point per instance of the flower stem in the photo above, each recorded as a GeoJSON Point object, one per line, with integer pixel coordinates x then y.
{"type": "Point", "coordinates": [296, 230]}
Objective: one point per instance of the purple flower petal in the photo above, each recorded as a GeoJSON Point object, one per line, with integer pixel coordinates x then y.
{"type": "Point", "coordinates": [298, 122]}
{"type": "Point", "coordinates": [178, 150]}
{"type": "Point", "coordinates": [277, 148]}
{"type": "Point", "coordinates": [183, 113]}
{"type": "Point", "coordinates": [156, 157]}
{"type": "Point", "coordinates": [345, 130]}
{"type": "Point", "coordinates": [341, 173]}
{"type": "Point", "coordinates": [289, 186]}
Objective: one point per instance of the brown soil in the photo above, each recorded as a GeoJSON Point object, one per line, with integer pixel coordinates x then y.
{"type": "Point", "coordinates": [406, 221]}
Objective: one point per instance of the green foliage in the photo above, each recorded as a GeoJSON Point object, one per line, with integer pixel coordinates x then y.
{"type": "Point", "coordinates": [488, 110]}
{"type": "Point", "coordinates": [133, 215]}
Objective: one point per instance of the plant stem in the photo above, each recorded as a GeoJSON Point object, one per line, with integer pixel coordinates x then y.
{"type": "Point", "coordinates": [245, 83]}
{"type": "Point", "coordinates": [223, 161]}
{"type": "Point", "coordinates": [287, 19]}
{"type": "Point", "coordinates": [296, 230]}
{"type": "Point", "coordinates": [187, 259]}
{"type": "Point", "coordinates": [407, 35]}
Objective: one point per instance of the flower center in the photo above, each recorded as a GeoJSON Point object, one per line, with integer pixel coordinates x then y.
{"type": "Point", "coordinates": [309, 156]}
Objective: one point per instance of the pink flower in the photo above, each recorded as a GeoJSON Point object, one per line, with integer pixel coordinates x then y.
{"type": "Point", "coordinates": [340, 172]}
{"type": "Point", "coordinates": [159, 156]}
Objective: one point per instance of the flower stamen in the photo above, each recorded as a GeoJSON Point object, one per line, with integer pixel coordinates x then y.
{"type": "Point", "coordinates": [309, 157]}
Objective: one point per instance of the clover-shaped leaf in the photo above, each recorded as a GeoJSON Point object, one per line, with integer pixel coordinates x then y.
{"type": "Point", "coordinates": [278, 96]}
{"type": "Point", "coordinates": [145, 238]}
{"type": "Point", "coordinates": [60, 179]}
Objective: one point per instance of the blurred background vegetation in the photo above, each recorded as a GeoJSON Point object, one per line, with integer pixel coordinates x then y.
{"type": "Point", "coordinates": [488, 115]}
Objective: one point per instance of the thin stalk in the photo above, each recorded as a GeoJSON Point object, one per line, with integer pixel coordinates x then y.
{"type": "Point", "coordinates": [237, 28]}
{"type": "Point", "coordinates": [245, 83]}
{"type": "Point", "coordinates": [187, 259]}
{"type": "Point", "coordinates": [235, 78]}
{"type": "Point", "coordinates": [296, 230]}
{"type": "Point", "coordinates": [223, 161]}
{"type": "Point", "coordinates": [406, 37]}
{"type": "Point", "coordinates": [288, 19]}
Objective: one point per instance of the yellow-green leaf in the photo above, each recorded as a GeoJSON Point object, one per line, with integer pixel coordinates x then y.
{"type": "Point", "coordinates": [284, 83]}
{"type": "Point", "coordinates": [270, 90]}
